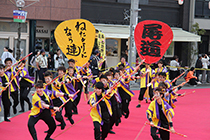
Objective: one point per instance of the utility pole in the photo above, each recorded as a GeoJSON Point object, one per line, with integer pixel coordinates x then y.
{"type": "Point", "coordinates": [133, 22]}
{"type": "Point", "coordinates": [18, 53]}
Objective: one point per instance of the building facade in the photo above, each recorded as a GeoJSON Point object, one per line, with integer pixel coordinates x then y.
{"type": "Point", "coordinates": [111, 17]}
{"type": "Point", "coordinates": [38, 30]}
{"type": "Point", "coordinates": [202, 17]}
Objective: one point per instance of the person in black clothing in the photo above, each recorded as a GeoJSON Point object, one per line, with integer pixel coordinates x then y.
{"type": "Point", "coordinates": [14, 86]}
{"type": "Point", "coordinates": [56, 100]}
{"type": "Point", "coordinates": [78, 86]}
{"type": "Point", "coordinates": [125, 92]}
{"type": "Point", "coordinates": [94, 63]}
{"type": "Point", "coordinates": [198, 65]}
{"type": "Point", "coordinates": [41, 110]}
{"type": "Point", "coordinates": [164, 112]}
{"type": "Point", "coordinates": [4, 79]}
{"type": "Point", "coordinates": [25, 82]}
{"type": "Point", "coordinates": [101, 112]}
{"type": "Point", "coordinates": [50, 61]}
{"type": "Point", "coordinates": [115, 108]}
{"type": "Point", "coordinates": [163, 59]}
{"type": "Point", "coordinates": [104, 80]}
{"type": "Point", "coordinates": [64, 84]}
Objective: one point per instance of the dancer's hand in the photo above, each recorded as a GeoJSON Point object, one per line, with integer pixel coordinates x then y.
{"type": "Point", "coordinates": [71, 96]}
{"type": "Point", "coordinates": [79, 76]}
{"type": "Point", "coordinates": [152, 124]}
{"type": "Point", "coordinates": [148, 85]}
{"type": "Point", "coordinates": [172, 130]}
{"type": "Point", "coordinates": [56, 109]}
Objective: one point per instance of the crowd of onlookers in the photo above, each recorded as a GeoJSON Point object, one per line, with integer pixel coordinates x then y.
{"type": "Point", "coordinates": [203, 61]}
{"type": "Point", "coordinates": [40, 62]}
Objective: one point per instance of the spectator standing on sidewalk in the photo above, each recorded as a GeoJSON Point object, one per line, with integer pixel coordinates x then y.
{"type": "Point", "coordinates": [198, 65]}
{"type": "Point", "coordinates": [208, 71]}
{"type": "Point", "coordinates": [34, 70]}
{"type": "Point", "coordinates": [7, 54]}
{"type": "Point", "coordinates": [13, 59]}
{"type": "Point", "coordinates": [174, 72]}
{"type": "Point", "coordinates": [41, 63]}
{"type": "Point", "coordinates": [94, 63]}
{"type": "Point", "coordinates": [50, 61]}
{"type": "Point", "coordinates": [205, 61]}
{"type": "Point", "coordinates": [58, 60]}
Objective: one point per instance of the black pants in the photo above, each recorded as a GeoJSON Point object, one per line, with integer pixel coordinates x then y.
{"type": "Point", "coordinates": [113, 118]}
{"type": "Point", "coordinates": [79, 87]}
{"type": "Point", "coordinates": [142, 92]}
{"type": "Point", "coordinates": [36, 75]}
{"type": "Point", "coordinates": [193, 81]}
{"type": "Point", "coordinates": [46, 117]}
{"type": "Point", "coordinates": [6, 103]}
{"type": "Point", "coordinates": [76, 101]}
{"type": "Point", "coordinates": [119, 110]}
{"type": "Point", "coordinates": [59, 117]}
{"type": "Point", "coordinates": [14, 96]}
{"type": "Point", "coordinates": [105, 130]}
{"type": "Point", "coordinates": [164, 135]}
{"type": "Point", "coordinates": [24, 91]}
{"type": "Point", "coordinates": [198, 73]}
{"type": "Point", "coordinates": [41, 74]}
{"type": "Point", "coordinates": [173, 75]}
{"type": "Point", "coordinates": [68, 109]}
{"type": "Point", "coordinates": [125, 105]}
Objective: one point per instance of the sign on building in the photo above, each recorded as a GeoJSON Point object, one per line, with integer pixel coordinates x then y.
{"type": "Point", "coordinates": [19, 16]}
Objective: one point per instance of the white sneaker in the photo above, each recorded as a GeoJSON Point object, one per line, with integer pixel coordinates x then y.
{"type": "Point", "coordinates": [199, 82]}
{"type": "Point", "coordinates": [195, 85]}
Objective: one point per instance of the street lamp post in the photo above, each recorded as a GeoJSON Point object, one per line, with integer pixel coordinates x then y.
{"type": "Point", "coordinates": [20, 4]}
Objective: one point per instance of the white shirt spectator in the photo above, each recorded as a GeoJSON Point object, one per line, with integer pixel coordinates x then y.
{"type": "Point", "coordinates": [205, 62]}
{"type": "Point", "coordinates": [33, 61]}
{"type": "Point", "coordinates": [58, 60]}
{"type": "Point", "coordinates": [7, 55]}
{"type": "Point", "coordinates": [174, 63]}
{"type": "Point", "coordinates": [42, 60]}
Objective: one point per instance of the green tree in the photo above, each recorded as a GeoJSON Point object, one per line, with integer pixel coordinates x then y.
{"type": "Point", "coordinates": [193, 48]}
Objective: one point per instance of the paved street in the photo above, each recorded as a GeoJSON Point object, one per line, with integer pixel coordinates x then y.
{"type": "Point", "coordinates": [133, 87]}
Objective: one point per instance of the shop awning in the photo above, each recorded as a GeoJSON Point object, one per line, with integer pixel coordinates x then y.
{"type": "Point", "coordinates": [184, 36]}
{"type": "Point", "coordinates": [114, 31]}
{"type": "Point", "coordinates": [123, 31]}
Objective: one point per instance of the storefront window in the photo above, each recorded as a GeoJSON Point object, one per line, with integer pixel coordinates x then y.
{"type": "Point", "coordinates": [22, 48]}
{"type": "Point", "coordinates": [42, 43]}
{"type": "Point", "coordinates": [170, 51]}
{"type": "Point", "coordinates": [112, 47]}
{"type": "Point", "coordinates": [3, 43]}
{"type": "Point", "coordinates": [202, 9]}
{"type": "Point", "coordinates": [12, 26]}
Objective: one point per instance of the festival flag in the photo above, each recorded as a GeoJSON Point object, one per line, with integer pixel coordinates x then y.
{"type": "Point", "coordinates": [102, 45]}
{"type": "Point", "coordinates": [152, 39]}
{"type": "Point", "coordinates": [76, 39]}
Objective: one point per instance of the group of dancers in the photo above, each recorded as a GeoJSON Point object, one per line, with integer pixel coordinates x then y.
{"type": "Point", "coordinates": [109, 101]}
{"type": "Point", "coordinates": [12, 80]}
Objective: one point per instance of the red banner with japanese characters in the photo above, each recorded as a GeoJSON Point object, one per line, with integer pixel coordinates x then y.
{"type": "Point", "coordinates": [152, 39]}
{"type": "Point", "coordinates": [76, 39]}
